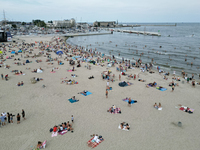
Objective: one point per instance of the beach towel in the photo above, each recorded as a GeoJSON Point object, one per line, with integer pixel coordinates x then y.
{"type": "Point", "coordinates": [87, 93]}
{"type": "Point", "coordinates": [126, 100]}
{"type": "Point", "coordinates": [63, 132]}
{"type": "Point", "coordinates": [161, 89]}
{"type": "Point", "coordinates": [52, 71]}
{"type": "Point", "coordinates": [149, 85]}
{"type": "Point", "coordinates": [94, 144]}
{"type": "Point", "coordinates": [72, 101]}
{"type": "Point", "coordinates": [183, 108]}
{"type": "Point", "coordinates": [69, 70]}
{"type": "Point", "coordinates": [54, 134]}
{"type": "Point", "coordinates": [124, 128]}
{"type": "Point", "coordinates": [116, 111]}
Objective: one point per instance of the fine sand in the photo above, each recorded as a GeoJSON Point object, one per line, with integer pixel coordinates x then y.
{"type": "Point", "coordinates": [151, 129]}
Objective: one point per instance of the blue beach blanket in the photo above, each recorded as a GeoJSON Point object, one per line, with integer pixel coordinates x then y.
{"type": "Point", "coordinates": [72, 101]}
{"type": "Point", "coordinates": [126, 100]}
{"type": "Point", "coordinates": [88, 93]}
{"type": "Point", "coordinates": [161, 89]}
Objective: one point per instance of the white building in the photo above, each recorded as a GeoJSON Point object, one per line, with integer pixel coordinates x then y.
{"type": "Point", "coordinates": [63, 23]}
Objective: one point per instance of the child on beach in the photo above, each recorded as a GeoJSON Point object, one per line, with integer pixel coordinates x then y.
{"type": "Point", "coordinates": [72, 118]}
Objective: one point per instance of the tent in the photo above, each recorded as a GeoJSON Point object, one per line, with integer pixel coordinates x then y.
{"type": "Point", "coordinates": [13, 52]}
{"type": "Point", "coordinates": [59, 52]}
{"type": "Point", "coordinates": [1, 52]}
{"type": "Point", "coordinates": [20, 51]}
{"type": "Point", "coordinates": [27, 61]}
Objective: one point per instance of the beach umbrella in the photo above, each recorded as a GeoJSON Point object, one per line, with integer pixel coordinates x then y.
{"type": "Point", "coordinates": [13, 52]}
{"type": "Point", "coordinates": [19, 51]}
{"type": "Point", "coordinates": [7, 57]}
{"type": "Point", "coordinates": [59, 52]}
{"type": "Point", "coordinates": [1, 52]}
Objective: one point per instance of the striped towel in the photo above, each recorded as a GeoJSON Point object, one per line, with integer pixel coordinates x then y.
{"type": "Point", "coordinates": [94, 144]}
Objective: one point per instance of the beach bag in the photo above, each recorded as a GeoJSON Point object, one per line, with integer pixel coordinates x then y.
{"type": "Point", "coordinates": [51, 130]}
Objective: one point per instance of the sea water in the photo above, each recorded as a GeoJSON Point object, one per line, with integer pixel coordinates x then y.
{"type": "Point", "coordinates": [174, 50]}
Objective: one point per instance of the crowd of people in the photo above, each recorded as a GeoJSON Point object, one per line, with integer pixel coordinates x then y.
{"type": "Point", "coordinates": [9, 117]}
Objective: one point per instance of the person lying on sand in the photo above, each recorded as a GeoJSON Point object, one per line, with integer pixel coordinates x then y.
{"type": "Point", "coordinates": [34, 71]}
{"type": "Point", "coordinates": [165, 78]}
{"type": "Point", "coordinates": [84, 92]}
{"type": "Point", "coordinates": [91, 77]}
{"type": "Point", "coordinates": [141, 80]}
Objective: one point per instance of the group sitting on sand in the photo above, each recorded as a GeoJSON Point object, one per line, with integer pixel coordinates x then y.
{"type": "Point", "coordinates": [63, 126]}
{"type": "Point", "coordinates": [157, 106]}
{"type": "Point", "coordinates": [124, 126]}
{"type": "Point", "coordinates": [20, 84]}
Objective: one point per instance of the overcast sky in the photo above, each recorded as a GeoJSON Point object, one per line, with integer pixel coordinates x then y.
{"type": "Point", "coordinates": [102, 10]}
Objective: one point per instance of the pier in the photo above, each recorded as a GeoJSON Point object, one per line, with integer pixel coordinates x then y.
{"type": "Point", "coordinates": [85, 34]}
{"type": "Point", "coordinates": [137, 32]}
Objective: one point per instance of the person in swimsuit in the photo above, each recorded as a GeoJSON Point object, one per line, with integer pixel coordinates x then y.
{"type": "Point", "coordinates": [39, 145]}
{"type": "Point", "coordinates": [11, 118]}
{"type": "Point", "coordinates": [129, 102]}
{"type": "Point", "coordinates": [23, 114]}
{"type": "Point", "coordinates": [8, 115]}
{"type": "Point", "coordinates": [106, 93]}
{"type": "Point", "coordinates": [18, 118]}
{"type": "Point", "coordinates": [172, 88]}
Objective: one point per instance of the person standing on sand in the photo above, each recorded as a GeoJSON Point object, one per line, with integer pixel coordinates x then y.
{"type": "Point", "coordinates": [23, 114]}
{"type": "Point", "coordinates": [2, 76]}
{"type": "Point", "coordinates": [72, 118]}
{"type": "Point", "coordinates": [18, 118]}
{"type": "Point", "coordinates": [129, 102]}
{"type": "Point", "coordinates": [6, 77]}
{"type": "Point", "coordinates": [108, 83]}
{"type": "Point", "coordinates": [119, 77]}
{"type": "Point", "coordinates": [172, 88]}
{"type": "Point", "coordinates": [106, 93]}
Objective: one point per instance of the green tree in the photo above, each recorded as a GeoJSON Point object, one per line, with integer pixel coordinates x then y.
{"type": "Point", "coordinates": [14, 26]}
{"type": "Point", "coordinates": [41, 24]}
{"type": "Point", "coordinates": [23, 23]}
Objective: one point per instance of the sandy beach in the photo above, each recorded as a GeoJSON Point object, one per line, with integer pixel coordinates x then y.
{"type": "Point", "coordinates": [150, 128]}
